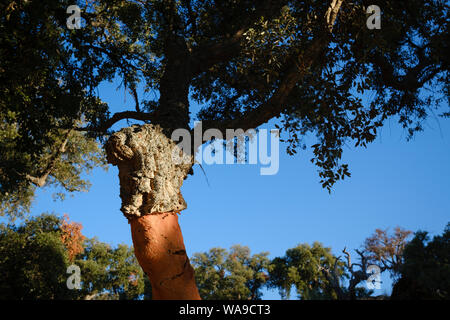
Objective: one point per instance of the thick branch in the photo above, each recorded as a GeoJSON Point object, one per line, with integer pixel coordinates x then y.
{"type": "Point", "coordinates": [273, 107]}
{"type": "Point", "coordinates": [415, 77]}
{"type": "Point", "coordinates": [135, 115]}
{"type": "Point", "coordinates": [136, 99]}
{"type": "Point", "coordinates": [333, 278]}
{"type": "Point", "coordinates": [332, 13]}
{"type": "Point", "coordinates": [349, 261]}
{"type": "Point", "coordinates": [298, 67]}
{"type": "Point", "coordinates": [41, 179]}
{"type": "Point", "coordinates": [204, 57]}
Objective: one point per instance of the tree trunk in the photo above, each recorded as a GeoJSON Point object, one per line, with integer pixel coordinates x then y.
{"type": "Point", "coordinates": [151, 171]}
{"type": "Point", "coordinates": [159, 248]}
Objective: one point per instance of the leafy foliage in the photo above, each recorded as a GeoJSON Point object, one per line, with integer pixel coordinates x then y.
{"type": "Point", "coordinates": [110, 273]}
{"type": "Point", "coordinates": [71, 237]}
{"type": "Point", "coordinates": [46, 90]}
{"type": "Point", "coordinates": [387, 250]}
{"type": "Point", "coordinates": [425, 272]}
{"type": "Point", "coordinates": [314, 65]}
{"type": "Point", "coordinates": [35, 255]}
{"type": "Point", "coordinates": [223, 275]}
{"type": "Point", "coordinates": [34, 258]}
{"type": "Point", "coordinates": [301, 268]}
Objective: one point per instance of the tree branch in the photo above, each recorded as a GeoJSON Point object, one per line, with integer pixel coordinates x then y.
{"type": "Point", "coordinates": [136, 99]}
{"type": "Point", "coordinates": [332, 13]}
{"type": "Point", "coordinates": [349, 261]}
{"type": "Point", "coordinates": [204, 57]}
{"type": "Point", "coordinates": [41, 179]}
{"type": "Point", "coordinates": [273, 107]}
{"type": "Point", "coordinates": [298, 67]}
{"type": "Point", "coordinates": [187, 4]}
{"type": "Point", "coordinates": [333, 278]}
{"type": "Point", "coordinates": [142, 116]}
{"type": "Point", "coordinates": [415, 77]}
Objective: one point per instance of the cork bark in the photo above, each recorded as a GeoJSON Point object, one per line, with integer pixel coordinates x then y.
{"type": "Point", "coordinates": [151, 172]}
{"type": "Point", "coordinates": [150, 179]}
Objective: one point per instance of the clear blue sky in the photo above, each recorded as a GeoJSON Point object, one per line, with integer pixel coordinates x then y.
{"type": "Point", "coordinates": [393, 183]}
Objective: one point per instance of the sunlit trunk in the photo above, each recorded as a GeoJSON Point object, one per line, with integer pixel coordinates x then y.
{"type": "Point", "coordinates": [150, 182]}
{"type": "Point", "coordinates": [159, 248]}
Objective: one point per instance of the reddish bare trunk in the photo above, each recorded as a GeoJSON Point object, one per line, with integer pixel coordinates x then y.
{"type": "Point", "coordinates": [159, 248]}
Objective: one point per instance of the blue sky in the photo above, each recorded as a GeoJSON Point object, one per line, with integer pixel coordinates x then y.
{"type": "Point", "coordinates": [393, 183]}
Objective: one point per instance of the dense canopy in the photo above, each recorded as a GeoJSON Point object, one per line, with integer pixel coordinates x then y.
{"type": "Point", "coordinates": [314, 65]}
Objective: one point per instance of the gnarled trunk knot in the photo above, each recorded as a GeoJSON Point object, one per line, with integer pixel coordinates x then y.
{"type": "Point", "coordinates": [151, 170]}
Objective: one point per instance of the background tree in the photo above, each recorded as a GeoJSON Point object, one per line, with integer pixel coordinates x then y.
{"type": "Point", "coordinates": [35, 255]}
{"type": "Point", "coordinates": [386, 250]}
{"type": "Point", "coordinates": [71, 237]}
{"type": "Point", "coordinates": [47, 89]}
{"type": "Point", "coordinates": [110, 273]}
{"type": "Point", "coordinates": [34, 260]}
{"type": "Point", "coordinates": [425, 271]}
{"type": "Point", "coordinates": [301, 267]}
{"type": "Point", "coordinates": [381, 249]}
{"type": "Point", "coordinates": [309, 63]}
{"type": "Point", "coordinates": [233, 275]}
{"type": "Point", "coordinates": [355, 277]}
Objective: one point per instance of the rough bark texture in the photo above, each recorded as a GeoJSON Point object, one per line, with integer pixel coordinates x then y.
{"type": "Point", "coordinates": [150, 179]}
{"type": "Point", "coordinates": [151, 171]}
